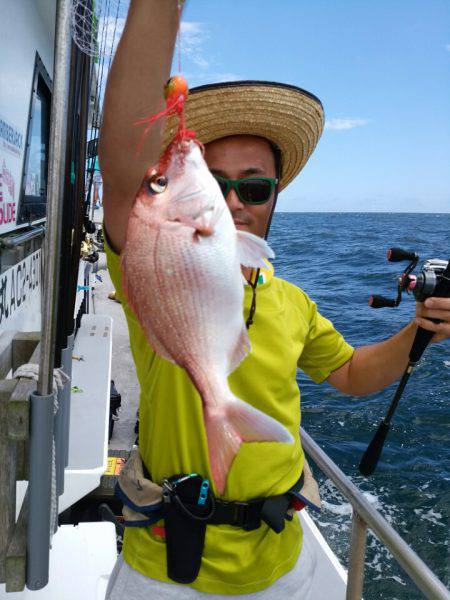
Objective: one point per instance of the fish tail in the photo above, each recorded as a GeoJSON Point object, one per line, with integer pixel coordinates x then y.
{"type": "Point", "coordinates": [231, 423]}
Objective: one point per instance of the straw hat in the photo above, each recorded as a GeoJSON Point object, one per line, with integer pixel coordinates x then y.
{"type": "Point", "coordinates": [288, 116]}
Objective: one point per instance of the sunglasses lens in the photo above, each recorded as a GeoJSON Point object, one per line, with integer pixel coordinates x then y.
{"type": "Point", "coordinates": [223, 186]}
{"type": "Point", "coordinates": [256, 191]}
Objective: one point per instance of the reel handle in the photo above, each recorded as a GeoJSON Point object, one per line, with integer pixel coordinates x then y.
{"type": "Point", "coordinates": [377, 301]}
{"type": "Point", "coordinates": [399, 255]}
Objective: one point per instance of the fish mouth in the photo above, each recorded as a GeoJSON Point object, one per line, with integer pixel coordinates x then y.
{"type": "Point", "coordinates": [195, 194]}
{"type": "Point", "coordinates": [193, 205]}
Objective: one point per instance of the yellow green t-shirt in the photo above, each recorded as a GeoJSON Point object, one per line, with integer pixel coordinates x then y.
{"type": "Point", "coordinates": [287, 332]}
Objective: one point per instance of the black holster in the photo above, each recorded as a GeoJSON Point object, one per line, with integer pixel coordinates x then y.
{"type": "Point", "coordinates": [188, 508]}
{"type": "Point", "coordinates": [185, 525]}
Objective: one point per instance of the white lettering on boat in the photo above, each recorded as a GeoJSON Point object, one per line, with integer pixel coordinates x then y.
{"type": "Point", "coordinates": [17, 285]}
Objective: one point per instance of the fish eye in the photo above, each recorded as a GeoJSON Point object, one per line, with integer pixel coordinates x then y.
{"type": "Point", "coordinates": [157, 183]}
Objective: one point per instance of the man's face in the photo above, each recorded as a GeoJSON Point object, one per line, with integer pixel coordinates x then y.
{"type": "Point", "coordinates": [237, 157]}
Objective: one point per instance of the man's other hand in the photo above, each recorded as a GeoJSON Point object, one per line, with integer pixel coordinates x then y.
{"type": "Point", "coordinates": [434, 308]}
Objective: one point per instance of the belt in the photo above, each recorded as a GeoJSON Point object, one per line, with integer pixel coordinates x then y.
{"type": "Point", "coordinates": [248, 515]}
{"type": "Point", "coordinates": [187, 511]}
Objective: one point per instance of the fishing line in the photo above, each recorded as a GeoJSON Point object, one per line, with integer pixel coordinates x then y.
{"type": "Point", "coordinates": [277, 159]}
{"type": "Point", "coordinates": [95, 124]}
{"type": "Point", "coordinates": [180, 10]}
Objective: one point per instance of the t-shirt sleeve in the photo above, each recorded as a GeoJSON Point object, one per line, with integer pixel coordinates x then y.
{"type": "Point", "coordinates": [325, 349]}
{"type": "Point", "coordinates": [113, 261]}
{"type": "Point", "coordinates": [115, 272]}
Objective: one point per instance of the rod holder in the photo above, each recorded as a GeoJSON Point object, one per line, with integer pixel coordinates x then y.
{"type": "Point", "coordinates": [62, 419]}
{"type": "Point", "coordinates": [68, 356]}
{"type": "Point", "coordinates": [59, 440]}
{"type": "Point", "coordinates": [39, 490]}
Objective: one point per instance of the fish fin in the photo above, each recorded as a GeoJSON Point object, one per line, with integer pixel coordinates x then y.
{"type": "Point", "coordinates": [254, 425]}
{"type": "Point", "coordinates": [240, 351]}
{"type": "Point", "coordinates": [252, 250]}
{"type": "Point", "coordinates": [230, 424]}
{"type": "Point", "coordinates": [158, 347]}
{"type": "Point", "coordinates": [216, 215]}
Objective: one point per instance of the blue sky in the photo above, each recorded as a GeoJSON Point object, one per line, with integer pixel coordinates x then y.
{"type": "Point", "coordinates": [382, 71]}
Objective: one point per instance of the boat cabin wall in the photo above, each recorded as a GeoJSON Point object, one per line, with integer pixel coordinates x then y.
{"type": "Point", "coordinates": [26, 73]}
{"type": "Point", "coordinates": [28, 31]}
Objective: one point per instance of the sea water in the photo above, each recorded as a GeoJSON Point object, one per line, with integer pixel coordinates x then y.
{"type": "Point", "coordinates": [339, 260]}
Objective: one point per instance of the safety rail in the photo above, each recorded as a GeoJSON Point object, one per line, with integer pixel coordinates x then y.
{"type": "Point", "coordinates": [364, 516]}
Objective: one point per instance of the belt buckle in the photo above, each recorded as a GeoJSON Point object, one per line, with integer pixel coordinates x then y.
{"type": "Point", "coordinates": [245, 517]}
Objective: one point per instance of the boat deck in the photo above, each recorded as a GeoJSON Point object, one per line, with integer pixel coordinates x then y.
{"type": "Point", "coordinates": [122, 367]}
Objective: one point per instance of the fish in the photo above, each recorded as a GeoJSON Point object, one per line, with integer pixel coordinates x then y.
{"type": "Point", "coordinates": [181, 273]}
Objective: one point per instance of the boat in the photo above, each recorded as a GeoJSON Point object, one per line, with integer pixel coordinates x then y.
{"type": "Point", "coordinates": [54, 312]}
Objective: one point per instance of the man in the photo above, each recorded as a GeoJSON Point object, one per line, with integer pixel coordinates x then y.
{"type": "Point", "coordinates": [251, 130]}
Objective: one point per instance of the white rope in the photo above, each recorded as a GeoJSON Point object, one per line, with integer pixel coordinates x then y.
{"type": "Point", "coordinates": [31, 371]}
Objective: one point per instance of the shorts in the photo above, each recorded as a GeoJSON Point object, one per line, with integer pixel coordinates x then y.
{"type": "Point", "coordinates": [125, 583]}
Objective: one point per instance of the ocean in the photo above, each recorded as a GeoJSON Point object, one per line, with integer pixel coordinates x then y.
{"type": "Point", "coordinates": [339, 260]}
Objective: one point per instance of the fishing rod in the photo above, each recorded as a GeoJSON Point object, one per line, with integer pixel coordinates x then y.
{"type": "Point", "coordinates": [81, 117]}
{"type": "Point", "coordinates": [433, 280]}
{"type": "Point", "coordinates": [64, 325]}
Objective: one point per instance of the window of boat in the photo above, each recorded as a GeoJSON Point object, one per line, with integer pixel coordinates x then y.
{"type": "Point", "coordinates": [34, 182]}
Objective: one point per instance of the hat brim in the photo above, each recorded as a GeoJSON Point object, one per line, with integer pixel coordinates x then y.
{"type": "Point", "coordinates": [286, 115]}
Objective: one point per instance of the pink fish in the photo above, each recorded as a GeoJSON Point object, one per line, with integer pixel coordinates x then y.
{"type": "Point", "coordinates": [182, 276]}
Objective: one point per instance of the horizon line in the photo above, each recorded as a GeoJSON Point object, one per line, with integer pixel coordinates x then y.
{"type": "Point", "coordinates": [364, 212]}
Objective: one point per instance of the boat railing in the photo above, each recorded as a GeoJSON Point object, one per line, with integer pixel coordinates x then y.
{"type": "Point", "coordinates": [366, 516]}
{"type": "Point", "coordinates": [16, 239]}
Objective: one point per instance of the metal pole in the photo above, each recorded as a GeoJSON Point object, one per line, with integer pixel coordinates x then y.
{"type": "Point", "coordinates": [422, 576]}
{"type": "Point", "coordinates": [39, 490]}
{"type": "Point", "coordinates": [55, 194]}
{"type": "Point", "coordinates": [357, 556]}
{"type": "Point", "coordinates": [42, 402]}
{"type": "Point", "coordinates": [66, 424]}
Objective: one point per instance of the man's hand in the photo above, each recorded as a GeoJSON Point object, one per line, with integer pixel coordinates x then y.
{"type": "Point", "coordinates": [434, 308]}
{"type": "Point", "coordinates": [374, 367]}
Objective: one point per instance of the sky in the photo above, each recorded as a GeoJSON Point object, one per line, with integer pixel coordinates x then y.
{"type": "Point", "coordinates": [382, 72]}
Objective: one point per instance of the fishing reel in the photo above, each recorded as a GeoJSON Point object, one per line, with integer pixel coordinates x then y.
{"type": "Point", "coordinates": [433, 280]}
{"type": "Point", "coordinates": [88, 252]}
{"type": "Point", "coordinates": [422, 286]}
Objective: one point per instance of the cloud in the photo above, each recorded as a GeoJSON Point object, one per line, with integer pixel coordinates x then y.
{"type": "Point", "coordinates": [110, 31]}
{"type": "Point", "coordinates": [199, 65]}
{"type": "Point", "coordinates": [341, 124]}
{"type": "Point", "coordinates": [192, 37]}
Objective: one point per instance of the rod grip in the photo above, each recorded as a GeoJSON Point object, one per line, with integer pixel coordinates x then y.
{"type": "Point", "coordinates": [421, 341]}
{"type": "Point", "coordinates": [371, 456]}
{"type": "Point", "coordinates": [399, 255]}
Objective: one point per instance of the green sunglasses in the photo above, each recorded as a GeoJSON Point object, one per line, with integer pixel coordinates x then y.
{"type": "Point", "coordinates": [250, 190]}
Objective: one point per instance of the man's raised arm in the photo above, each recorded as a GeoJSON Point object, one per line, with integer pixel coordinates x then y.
{"type": "Point", "coordinates": [139, 72]}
